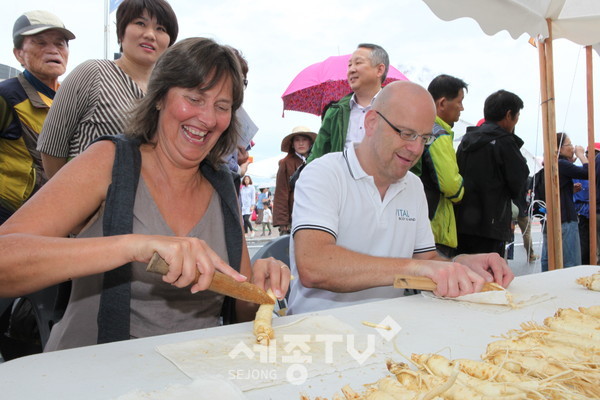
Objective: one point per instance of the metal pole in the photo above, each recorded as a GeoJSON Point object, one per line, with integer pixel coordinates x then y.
{"type": "Point", "coordinates": [106, 28]}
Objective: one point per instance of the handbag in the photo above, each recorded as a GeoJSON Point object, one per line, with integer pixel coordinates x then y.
{"type": "Point", "coordinates": [253, 216]}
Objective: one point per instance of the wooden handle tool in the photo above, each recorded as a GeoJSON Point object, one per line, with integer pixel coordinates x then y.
{"type": "Point", "coordinates": [221, 283]}
{"type": "Point", "coordinates": [424, 283]}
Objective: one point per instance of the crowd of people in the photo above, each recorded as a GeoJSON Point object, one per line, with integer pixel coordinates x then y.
{"type": "Point", "coordinates": [132, 157]}
{"type": "Point", "coordinates": [155, 180]}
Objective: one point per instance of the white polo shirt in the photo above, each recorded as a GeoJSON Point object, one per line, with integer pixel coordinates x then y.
{"type": "Point", "coordinates": [334, 194]}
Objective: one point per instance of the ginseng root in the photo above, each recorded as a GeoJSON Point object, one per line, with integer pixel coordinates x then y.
{"type": "Point", "coordinates": [262, 323]}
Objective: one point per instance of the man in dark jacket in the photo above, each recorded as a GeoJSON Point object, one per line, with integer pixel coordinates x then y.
{"type": "Point", "coordinates": [494, 172]}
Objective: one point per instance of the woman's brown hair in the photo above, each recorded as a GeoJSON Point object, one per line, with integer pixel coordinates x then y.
{"type": "Point", "coordinates": [191, 63]}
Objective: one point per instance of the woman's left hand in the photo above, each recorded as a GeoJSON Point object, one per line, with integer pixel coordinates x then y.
{"type": "Point", "coordinates": [271, 273]}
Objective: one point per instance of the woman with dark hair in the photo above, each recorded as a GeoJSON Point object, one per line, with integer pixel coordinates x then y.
{"type": "Point", "coordinates": [162, 187]}
{"type": "Point", "coordinates": [96, 98]}
{"type": "Point", "coordinates": [247, 199]}
{"type": "Point", "coordinates": [567, 171]}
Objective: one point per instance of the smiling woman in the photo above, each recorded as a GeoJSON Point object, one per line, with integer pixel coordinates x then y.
{"type": "Point", "coordinates": [161, 188]}
{"type": "Point", "coordinates": [95, 98]}
{"type": "Point", "coordinates": [206, 90]}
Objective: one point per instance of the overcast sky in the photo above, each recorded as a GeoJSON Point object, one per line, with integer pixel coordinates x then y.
{"type": "Point", "coordinates": [280, 38]}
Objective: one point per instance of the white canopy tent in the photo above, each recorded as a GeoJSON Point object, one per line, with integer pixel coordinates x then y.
{"type": "Point", "coordinates": [544, 20]}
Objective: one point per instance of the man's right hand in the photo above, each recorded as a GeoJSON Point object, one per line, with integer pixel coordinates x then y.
{"type": "Point", "coordinates": [453, 279]}
{"type": "Point", "coordinates": [466, 275]}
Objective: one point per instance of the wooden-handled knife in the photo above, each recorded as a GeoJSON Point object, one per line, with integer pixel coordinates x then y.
{"type": "Point", "coordinates": [424, 283]}
{"type": "Point", "coordinates": [221, 283]}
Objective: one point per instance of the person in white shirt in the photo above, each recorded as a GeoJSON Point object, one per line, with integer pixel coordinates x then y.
{"type": "Point", "coordinates": [360, 216]}
{"type": "Point", "coordinates": [266, 221]}
{"type": "Point", "coordinates": [247, 200]}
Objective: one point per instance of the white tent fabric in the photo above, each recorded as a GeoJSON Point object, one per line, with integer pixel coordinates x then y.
{"type": "Point", "coordinates": [576, 20]}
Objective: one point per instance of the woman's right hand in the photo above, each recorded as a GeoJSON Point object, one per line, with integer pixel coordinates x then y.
{"type": "Point", "coordinates": [186, 257]}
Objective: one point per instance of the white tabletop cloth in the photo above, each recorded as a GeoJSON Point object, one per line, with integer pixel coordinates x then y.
{"type": "Point", "coordinates": [428, 325]}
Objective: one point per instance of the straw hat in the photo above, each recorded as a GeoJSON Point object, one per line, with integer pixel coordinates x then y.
{"type": "Point", "coordinates": [286, 143]}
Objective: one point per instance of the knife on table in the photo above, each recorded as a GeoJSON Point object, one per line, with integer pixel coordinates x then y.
{"type": "Point", "coordinates": [424, 283]}
{"type": "Point", "coordinates": [221, 283]}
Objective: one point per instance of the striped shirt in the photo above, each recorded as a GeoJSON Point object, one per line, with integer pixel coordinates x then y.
{"type": "Point", "coordinates": [93, 101]}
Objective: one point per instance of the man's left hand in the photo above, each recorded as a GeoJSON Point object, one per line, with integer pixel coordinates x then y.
{"type": "Point", "coordinates": [490, 266]}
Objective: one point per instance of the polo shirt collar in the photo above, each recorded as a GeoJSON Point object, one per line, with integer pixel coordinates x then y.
{"type": "Point", "coordinates": [358, 173]}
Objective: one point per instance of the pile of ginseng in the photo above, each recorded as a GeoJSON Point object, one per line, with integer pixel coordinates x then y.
{"type": "Point", "coordinates": [557, 360]}
{"type": "Point", "coordinates": [591, 282]}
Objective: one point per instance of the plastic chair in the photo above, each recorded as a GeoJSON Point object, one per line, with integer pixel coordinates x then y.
{"type": "Point", "coordinates": [41, 309]}
{"type": "Point", "coordinates": [278, 248]}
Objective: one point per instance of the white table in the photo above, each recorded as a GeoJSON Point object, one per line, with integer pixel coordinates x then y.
{"type": "Point", "coordinates": [107, 371]}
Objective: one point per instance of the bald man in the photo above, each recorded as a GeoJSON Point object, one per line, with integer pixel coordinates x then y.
{"type": "Point", "coordinates": [360, 217]}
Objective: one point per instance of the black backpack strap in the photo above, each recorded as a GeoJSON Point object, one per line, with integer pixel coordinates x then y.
{"type": "Point", "coordinates": [294, 177]}
{"type": "Point", "coordinates": [114, 312]}
{"type": "Point", "coordinates": [222, 181]}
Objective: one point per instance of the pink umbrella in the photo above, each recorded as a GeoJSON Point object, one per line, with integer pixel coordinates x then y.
{"type": "Point", "coordinates": [321, 83]}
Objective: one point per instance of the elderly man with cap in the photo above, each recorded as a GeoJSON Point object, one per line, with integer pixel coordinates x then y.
{"type": "Point", "coordinates": [41, 45]}
{"type": "Point", "coordinates": [297, 144]}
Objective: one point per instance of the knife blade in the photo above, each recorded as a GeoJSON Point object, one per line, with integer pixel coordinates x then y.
{"type": "Point", "coordinates": [423, 283]}
{"type": "Point", "coordinates": [221, 283]}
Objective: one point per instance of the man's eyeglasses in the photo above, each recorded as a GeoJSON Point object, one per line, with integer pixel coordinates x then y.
{"type": "Point", "coordinates": [426, 138]}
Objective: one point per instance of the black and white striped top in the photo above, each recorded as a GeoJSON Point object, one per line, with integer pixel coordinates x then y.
{"type": "Point", "coordinates": [94, 100]}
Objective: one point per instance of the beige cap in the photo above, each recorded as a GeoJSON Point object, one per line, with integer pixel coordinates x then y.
{"type": "Point", "coordinates": [34, 22]}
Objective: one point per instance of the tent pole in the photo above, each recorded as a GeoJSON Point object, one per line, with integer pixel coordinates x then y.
{"type": "Point", "coordinates": [553, 221]}
{"type": "Point", "coordinates": [555, 185]}
{"type": "Point", "coordinates": [547, 157]}
{"type": "Point", "coordinates": [592, 158]}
